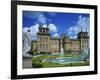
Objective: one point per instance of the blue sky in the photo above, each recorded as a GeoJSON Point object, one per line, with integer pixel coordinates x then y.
{"type": "Point", "coordinates": [58, 23]}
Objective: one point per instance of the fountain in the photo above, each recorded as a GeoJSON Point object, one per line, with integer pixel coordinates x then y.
{"type": "Point", "coordinates": [62, 52]}
{"type": "Point", "coordinates": [61, 55]}
{"type": "Point", "coordinates": [84, 55]}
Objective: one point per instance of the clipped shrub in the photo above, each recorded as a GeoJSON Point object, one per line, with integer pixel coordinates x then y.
{"type": "Point", "coordinates": [34, 51]}
{"type": "Point", "coordinates": [37, 64]}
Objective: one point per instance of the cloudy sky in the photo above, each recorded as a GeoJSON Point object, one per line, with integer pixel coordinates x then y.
{"type": "Point", "coordinates": [58, 23]}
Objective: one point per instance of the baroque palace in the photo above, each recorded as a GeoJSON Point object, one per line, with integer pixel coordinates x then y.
{"type": "Point", "coordinates": [45, 44]}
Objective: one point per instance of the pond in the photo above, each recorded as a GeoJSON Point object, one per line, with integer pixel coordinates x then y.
{"type": "Point", "coordinates": [83, 56]}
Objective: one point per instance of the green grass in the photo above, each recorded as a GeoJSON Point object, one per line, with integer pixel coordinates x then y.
{"type": "Point", "coordinates": [37, 62]}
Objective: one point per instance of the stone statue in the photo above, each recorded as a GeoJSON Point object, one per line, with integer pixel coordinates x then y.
{"type": "Point", "coordinates": [26, 43]}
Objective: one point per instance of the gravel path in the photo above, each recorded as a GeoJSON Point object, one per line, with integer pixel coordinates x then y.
{"type": "Point", "coordinates": [27, 63]}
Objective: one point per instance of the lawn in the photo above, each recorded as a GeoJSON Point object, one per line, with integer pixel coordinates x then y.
{"type": "Point", "coordinates": [37, 62]}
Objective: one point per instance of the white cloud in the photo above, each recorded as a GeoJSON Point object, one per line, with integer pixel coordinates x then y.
{"type": "Point", "coordinates": [25, 29]}
{"type": "Point", "coordinates": [33, 30]}
{"type": "Point", "coordinates": [56, 35]}
{"type": "Point", "coordinates": [52, 14]}
{"type": "Point", "coordinates": [52, 27]}
{"type": "Point", "coordinates": [73, 37]}
{"type": "Point", "coordinates": [82, 23]}
{"type": "Point", "coordinates": [45, 26]}
{"type": "Point", "coordinates": [38, 16]}
{"type": "Point", "coordinates": [73, 30]}
{"type": "Point", "coordinates": [42, 19]}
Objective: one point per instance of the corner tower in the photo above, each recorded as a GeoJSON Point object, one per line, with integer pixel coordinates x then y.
{"type": "Point", "coordinates": [84, 39]}
{"type": "Point", "coordinates": [43, 39]}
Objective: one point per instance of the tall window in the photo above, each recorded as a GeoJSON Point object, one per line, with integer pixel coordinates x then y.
{"type": "Point", "coordinates": [40, 46]}
{"type": "Point", "coordinates": [45, 31]}
{"type": "Point", "coordinates": [46, 46]}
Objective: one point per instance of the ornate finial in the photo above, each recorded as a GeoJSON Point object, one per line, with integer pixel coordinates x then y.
{"type": "Point", "coordinates": [41, 24]}
{"type": "Point", "coordinates": [81, 29]}
{"type": "Point", "coordinates": [47, 25]}
{"type": "Point", "coordinates": [86, 30]}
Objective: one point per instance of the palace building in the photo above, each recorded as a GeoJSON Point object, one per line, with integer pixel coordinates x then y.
{"type": "Point", "coordinates": [45, 44]}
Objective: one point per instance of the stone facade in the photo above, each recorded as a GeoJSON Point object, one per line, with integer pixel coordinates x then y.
{"type": "Point", "coordinates": [46, 44]}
